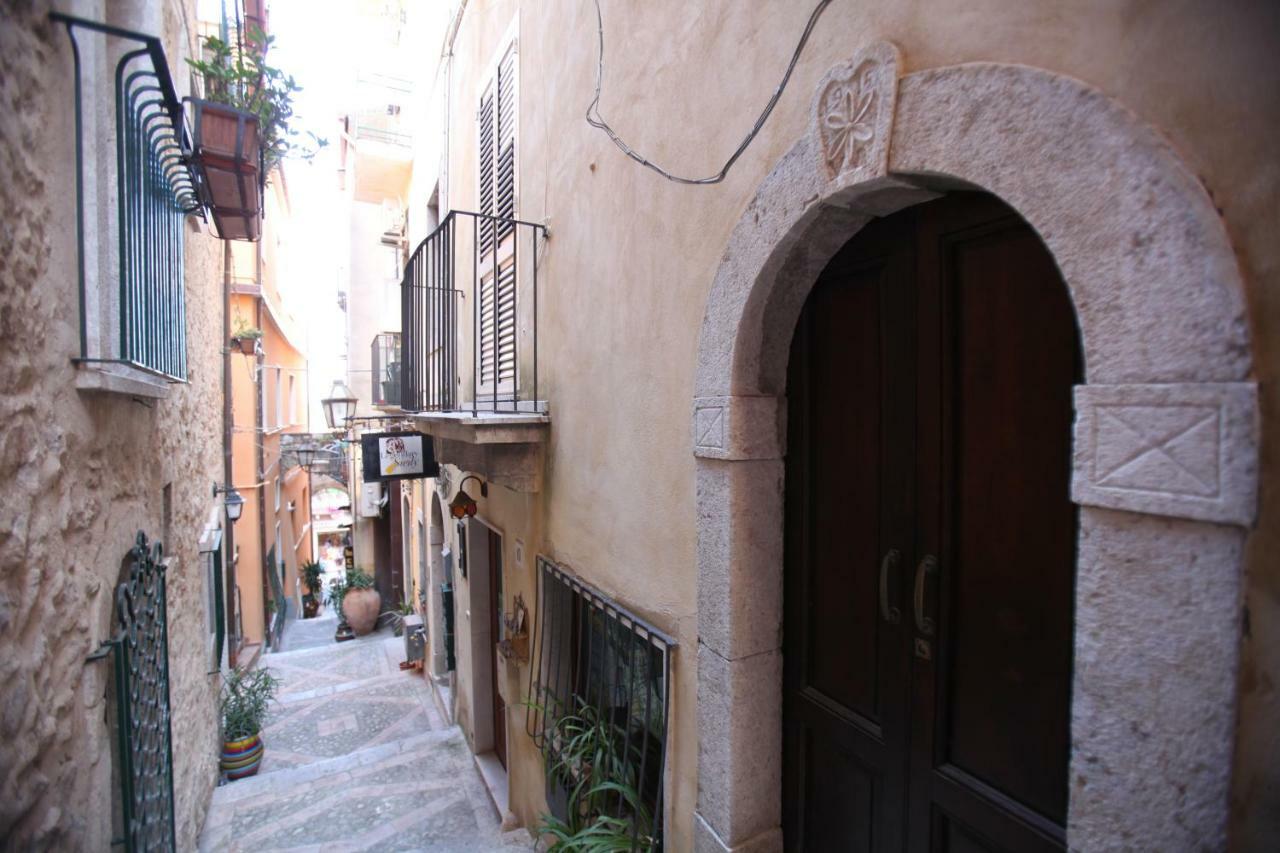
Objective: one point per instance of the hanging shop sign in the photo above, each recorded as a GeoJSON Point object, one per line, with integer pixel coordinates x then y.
{"type": "Point", "coordinates": [397, 456]}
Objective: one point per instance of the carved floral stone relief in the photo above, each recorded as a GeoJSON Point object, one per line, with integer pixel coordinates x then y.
{"type": "Point", "coordinates": [853, 114]}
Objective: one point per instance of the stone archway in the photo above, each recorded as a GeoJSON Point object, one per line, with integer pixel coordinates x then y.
{"type": "Point", "coordinates": [1165, 439]}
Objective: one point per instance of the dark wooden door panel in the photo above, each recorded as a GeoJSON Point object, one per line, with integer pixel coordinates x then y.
{"type": "Point", "coordinates": [844, 673]}
{"type": "Point", "coordinates": [929, 405]}
{"type": "Point", "coordinates": [1010, 583]}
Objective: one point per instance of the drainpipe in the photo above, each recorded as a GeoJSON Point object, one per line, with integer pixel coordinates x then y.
{"type": "Point", "coordinates": [228, 531]}
{"type": "Point", "coordinates": [260, 436]}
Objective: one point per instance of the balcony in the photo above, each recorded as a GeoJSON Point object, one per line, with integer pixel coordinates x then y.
{"type": "Point", "coordinates": [384, 359]}
{"type": "Point", "coordinates": [469, 326]}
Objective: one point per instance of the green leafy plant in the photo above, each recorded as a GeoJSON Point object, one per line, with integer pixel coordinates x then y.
{"type": "Point", "coordinates": [594, 762]}
{"type": "Point", "coordinates": [396, 617]}
{"type": "Point", "coordinates": [337, 591]}
{"type": "Point", "coordinates": [245, 331]}
{"type": "Point", "coordinates": [311, 572]}
{"type": "Point", "coordinates": [246, 697]}
{"type": "Point", "coordinates": [243, 79]}
{"type": "Point", "coordinates": [358, 578]}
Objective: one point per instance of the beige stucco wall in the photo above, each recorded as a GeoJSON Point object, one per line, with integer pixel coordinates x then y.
{"type": "Point", "coordinates": [84, 472]}
{"type": "Point", "coordinates": [628, 269]}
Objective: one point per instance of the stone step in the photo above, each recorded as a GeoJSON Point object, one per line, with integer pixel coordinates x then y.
{"type": "Point", "coordinates": [296, 779]}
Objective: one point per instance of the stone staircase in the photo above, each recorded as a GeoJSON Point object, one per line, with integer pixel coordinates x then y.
{"type": "Point", "coordinates": [358, 758]}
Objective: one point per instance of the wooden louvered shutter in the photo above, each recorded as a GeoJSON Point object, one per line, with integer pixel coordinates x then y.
{"type": "Point", "coordinates": [485, 118]}
{"type": "Point", "coordinates": [497, 133]}
{"type": "Point", "coordinates": [502, 349]}
{"type": "Point", "coordinates": [505, 185]}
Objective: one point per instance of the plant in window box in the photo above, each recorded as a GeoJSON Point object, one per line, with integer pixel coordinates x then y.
{"type": "Point", "coordinates": [246, 697]}
{"type": "Point", "coordinates": [246, 338]}
{"type": "Point", "coordinates": [592, 785]}
{"type": "Point", "coordinates": [240, 130]}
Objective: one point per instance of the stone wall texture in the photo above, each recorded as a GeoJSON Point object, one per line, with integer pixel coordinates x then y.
{"type": "Point", "coordinates": [83, 472]}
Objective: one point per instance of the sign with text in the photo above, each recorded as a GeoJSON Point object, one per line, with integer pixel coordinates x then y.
{"type": "Point", "coordinates": [397, 456]}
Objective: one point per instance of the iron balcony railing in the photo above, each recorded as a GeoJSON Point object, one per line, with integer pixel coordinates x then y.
{"type": "Point", "coordinates": [155, 190]}
{"type": "Point", "coordinates": [384, 359]}
{"type": "Point", "coordinates": [479, 272]}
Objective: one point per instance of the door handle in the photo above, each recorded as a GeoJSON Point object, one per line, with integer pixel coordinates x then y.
{"type": "Point", "coordinates": [928, 566]}
{"type": "Point", "coordinates": [889, 563]}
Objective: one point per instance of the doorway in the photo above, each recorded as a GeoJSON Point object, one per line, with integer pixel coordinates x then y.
{"type": "Point", "coordinates": [930, 540]}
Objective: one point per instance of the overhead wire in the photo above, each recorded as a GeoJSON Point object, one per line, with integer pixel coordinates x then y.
{"type": "Point", "coordinates": [597, 121]}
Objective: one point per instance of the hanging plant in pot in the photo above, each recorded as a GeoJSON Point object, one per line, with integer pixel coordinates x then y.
{"type": "Point", "coordinates": [240, 130]}
{"type": "Point", "coordinates": [361, 603]}
{"type": "Point", "coordinates": [246, 696]}
{"type": "Point", "coordinates": [245, 338]}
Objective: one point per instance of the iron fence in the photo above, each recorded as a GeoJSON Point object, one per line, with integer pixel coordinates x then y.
{"type": "Point", "coordinates": [140, 655]}
{"type": "Point", "coordinates": [597, 665]}
{"type": "Point", "coordinates": [499, 359]}
{"type": "Point", "coordinates": [155, 190]}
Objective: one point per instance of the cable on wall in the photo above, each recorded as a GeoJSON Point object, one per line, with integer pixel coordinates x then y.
{"type": "Point", "coordinates": [597, 121]}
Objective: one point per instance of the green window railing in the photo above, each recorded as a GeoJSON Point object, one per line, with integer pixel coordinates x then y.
{"type": "Point", "coordinates": [155, 191]}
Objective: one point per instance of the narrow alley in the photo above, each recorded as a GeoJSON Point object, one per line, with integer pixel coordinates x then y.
{"type": "Point", "coordinates": [359, 757]}
{"type": "Point", "coordinates": [593, 426]}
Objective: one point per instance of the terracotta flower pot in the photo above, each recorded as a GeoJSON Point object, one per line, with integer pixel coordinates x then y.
{"type": "Point", "coordinates": [361, 607]}
{"type": "Point", "coordinates": [241, 758]}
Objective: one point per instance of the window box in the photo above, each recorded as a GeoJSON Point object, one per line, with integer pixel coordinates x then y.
{"type": "Point", "coordinates": [227, 153]}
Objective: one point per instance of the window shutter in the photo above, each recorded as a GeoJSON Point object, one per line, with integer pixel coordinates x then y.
{"type": "Point", "coordinates": [505, 187]}
{"type": "Point", "coordinates": [501, 351]}
{"type": "Point", "coordinates": [485, 117]}
{"type": "Point", "coordinates": [497, 133]}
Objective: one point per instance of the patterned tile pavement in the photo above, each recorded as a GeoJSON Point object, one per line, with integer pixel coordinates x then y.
{"type": "Point", "coordinates": [358, 759]}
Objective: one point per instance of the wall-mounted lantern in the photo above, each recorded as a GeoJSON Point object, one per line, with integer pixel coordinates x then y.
{"type": "Point", "coordinates": [463, 505]}
{"type": "Point", "coordinates": [233, 501]}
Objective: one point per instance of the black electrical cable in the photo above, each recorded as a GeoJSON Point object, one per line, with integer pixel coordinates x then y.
{"type": "Point", "coordinates": [597, 121]}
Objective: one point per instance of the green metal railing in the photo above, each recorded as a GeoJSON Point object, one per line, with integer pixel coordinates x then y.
{"type": "Point", "coordinates": [156, 189]}
{"type": "Point", "coordinates": [140, 656]}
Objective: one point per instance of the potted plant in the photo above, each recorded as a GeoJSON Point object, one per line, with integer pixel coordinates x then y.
{"type": "Point", "coordinates": [240, 130]}
{"type": "Point", "coordinates": [337, 592]}
{"type": "Point", "coordinates": [361, 603]}
{"type": "Point", "coordinates": [246, 697]}
{"type": "Point", "coordinates": [311, 572]}
{"type": "Point", "coordinates": [246, 338]}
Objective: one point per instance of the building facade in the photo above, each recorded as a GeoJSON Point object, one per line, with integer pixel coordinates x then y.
{"type": "Point", "coordinates": [926, 453]}
{"type": "Point", "coordinates": [112, 384]}
{"type": "Point", "coordinates": [269, 401]}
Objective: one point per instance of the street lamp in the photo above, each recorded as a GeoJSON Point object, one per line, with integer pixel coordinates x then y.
{"type": "Point", "coordinates": [233, 501]}
{"type": "Point", "coordinates": [339, 406]}
{"type": "Point", "coordinates": [306, 455]}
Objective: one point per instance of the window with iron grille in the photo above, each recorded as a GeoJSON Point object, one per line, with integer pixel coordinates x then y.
{"type": "Point", "coordinates": [134, 190]}
{"type": "Point", "coordinates": [600, 680]}
{"type": "Point", "coordinates": [495, 239]}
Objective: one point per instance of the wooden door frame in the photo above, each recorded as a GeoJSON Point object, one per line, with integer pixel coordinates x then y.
{"type": "Point", "coordinates": [1159, 298]}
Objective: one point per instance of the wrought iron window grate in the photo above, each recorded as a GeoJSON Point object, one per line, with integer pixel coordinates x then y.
{"type": "Point", "coordinates": [502, 356]}
{"type": "Point", "coordinates": [155, 190]}
{"type": "Point", "coordinates": [597, 662]}
{"type": "Point", "coordinates": [140, 656]}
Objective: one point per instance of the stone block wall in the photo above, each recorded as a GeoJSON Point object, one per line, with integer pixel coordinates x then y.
{"type": "Point", "coordinates": [84, 471]}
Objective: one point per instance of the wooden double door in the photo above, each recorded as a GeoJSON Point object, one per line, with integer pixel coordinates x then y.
{"type": "Point", "coordinates": [931, 541]}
